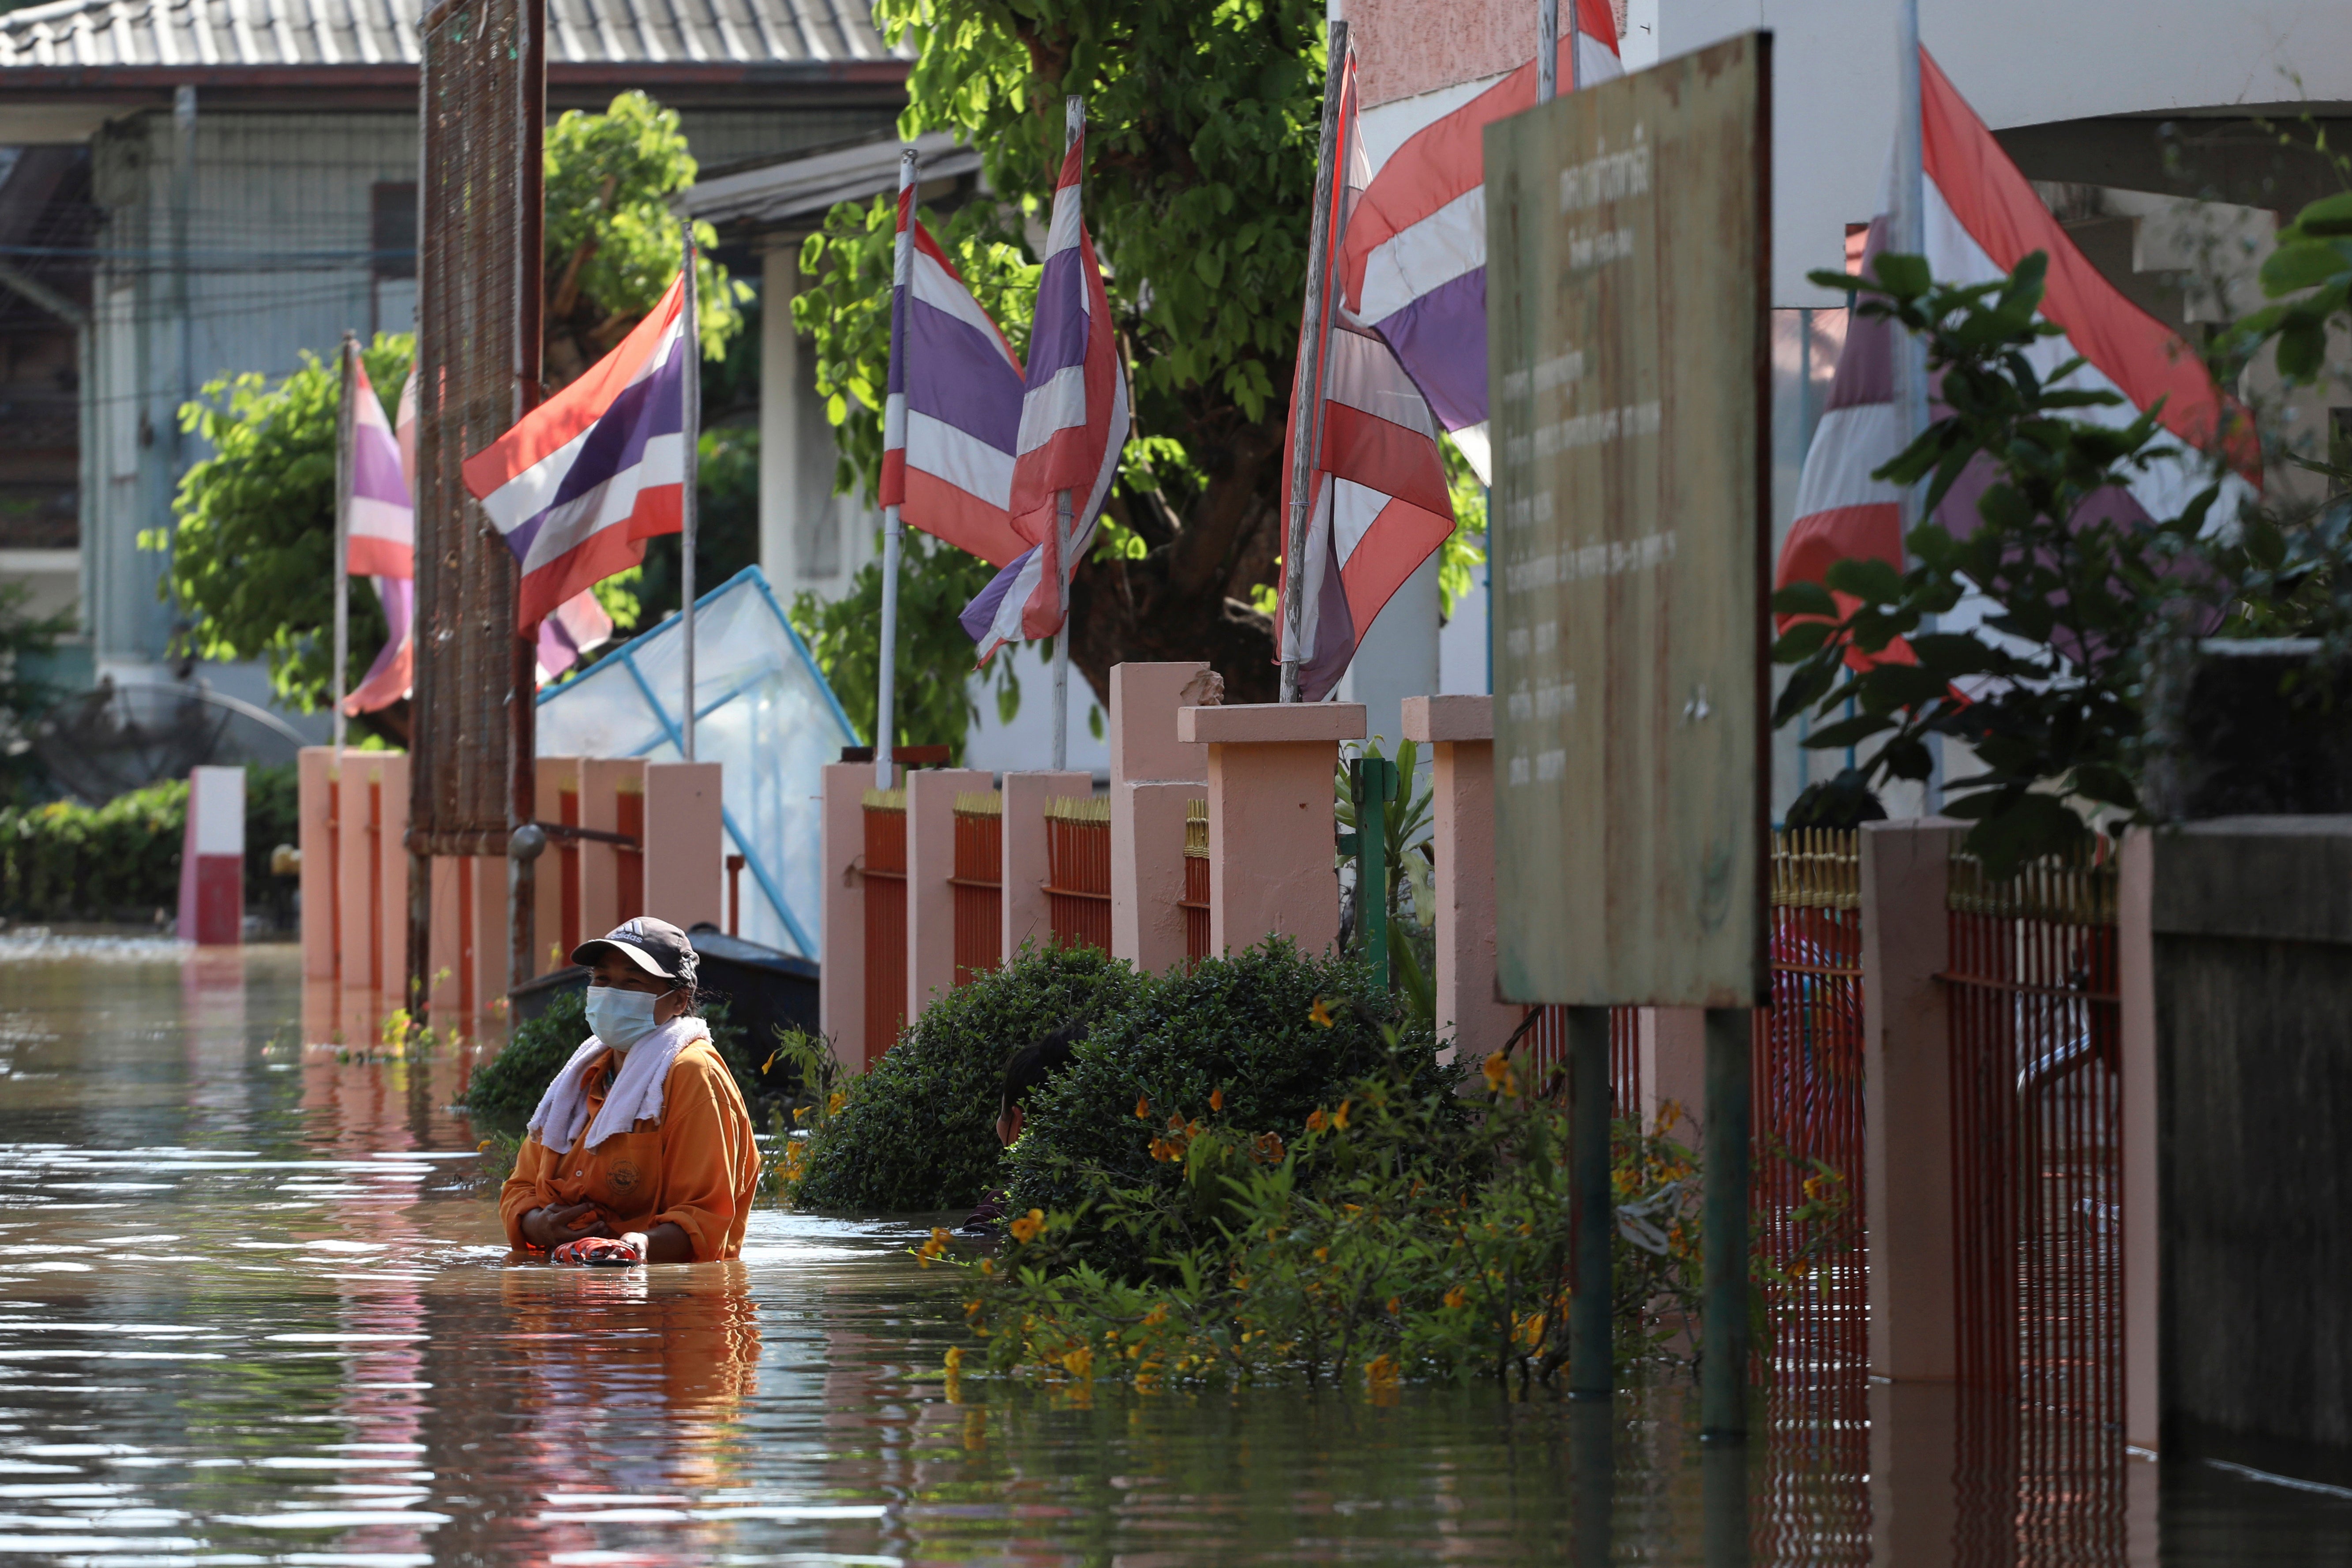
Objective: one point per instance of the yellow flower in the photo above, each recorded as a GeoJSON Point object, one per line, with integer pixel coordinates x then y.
{"type": "Point", "coordinates": [1395, 1303]}
{"type": "Point", "coordinates": [1322, 1255]}
{"type": "Point", "coordinates": [479, 1147]}
{"type": "Point", "coordinates": [1315, 1122]}
{"type": "Point", "coordinates": [933, 1247]}
{"type": "Point", "coordinates": [1814, 1187]}
{"type": "Point", "coordinates": [1457, 1299]}
{"type": "Point", "coordinates": [1319, 1015]}
{"type": "Point", "coordinates": [1080, 1362]}
{"type": "Point", "coordinates": [1216, 1099]}
{"type": "Point", "coordinates": [955, 1360]}
{"type": "Point", "coordinates": [1142, 1108]}
{"type": "Point", "coordinates": [1498, 1070]}
{"type": "Point", "coordinates": [1380, 1375]}
{"type": "Point", "coordinates": [1025, 1229]}
{"type": "Point", "coordinates": [987, 1266]}
{"type": "Point", "coordinates": [834, 1102]}
{"type": "Point", "coordinates": [1339, 1117]}
{"type": "Point", "coordinates": [1156, 1316]}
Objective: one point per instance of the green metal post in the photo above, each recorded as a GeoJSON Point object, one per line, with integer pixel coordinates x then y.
{"type": "Point", "coordinates": [1723, 1386]}
{"type": "Point", "coordinates": [1591, 1362]}
{"type": "Point", "coordinates": [1376, 786]}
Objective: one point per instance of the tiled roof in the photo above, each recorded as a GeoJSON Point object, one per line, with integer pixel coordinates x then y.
{"type": "Point", "coordinates": [807, 184]}
{"type": "Point", "coordinates": [329, 33]}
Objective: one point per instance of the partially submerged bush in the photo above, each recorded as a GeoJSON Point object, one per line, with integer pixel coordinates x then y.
{"type": "Point", "coordinates": [918, 1132]}
{"type": "Point", "coordinates": [506, 1090]}
{"type": "Point", "coordinates": [1253, 1044]}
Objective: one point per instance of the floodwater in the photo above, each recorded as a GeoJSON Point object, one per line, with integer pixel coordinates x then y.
{"type": "Point", "coordinates": [255, 1307]}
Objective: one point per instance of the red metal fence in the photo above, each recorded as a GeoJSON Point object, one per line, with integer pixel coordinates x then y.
{"type": "Point", "coordinates": [2037, 1185]}
{"type": "Point", "coordinates": [1077, 870]}
{"type": "Point", "coordinates": [1808, 1204]}
{"type": "Point", "coordinates": [978, 884]}
{"type": "Point", "coordinates": [1196, 882]}
{"type": "Point", "coordinates": [1545, 1046]}
{"type": "Point", "coordinates": [885, 884]}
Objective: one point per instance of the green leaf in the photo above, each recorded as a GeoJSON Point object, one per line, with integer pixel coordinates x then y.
{"type": "Point", "coordinates": [1804, 599]}
{"type": "Point", "coordinates": [1905, 276]}
{"type": "Point", "coordinates": [2306, 264]}
{"type": "Point", "coordinates": [1801, 641]}
{"type": "Point", "coordinates": [1872, 581]}
{"type": "Point", "coordinates": [1849, 731]}
{"type": "Point", "coordinates": [2326, 218]}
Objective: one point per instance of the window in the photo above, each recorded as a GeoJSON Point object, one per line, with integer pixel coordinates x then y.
{"type": "Point", "coordinates": [391, 228]}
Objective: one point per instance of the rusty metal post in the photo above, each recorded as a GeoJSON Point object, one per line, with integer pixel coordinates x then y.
{"type": "Point", "coordinates": [1591, 1367]}
{"type": "Point", "coordinates": [523, 841]}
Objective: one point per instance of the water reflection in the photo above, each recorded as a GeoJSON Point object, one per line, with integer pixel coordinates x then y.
{"type": "Point", "coordinates": [255, 1306]}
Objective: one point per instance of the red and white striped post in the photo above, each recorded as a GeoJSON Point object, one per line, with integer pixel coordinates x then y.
{"type": "Point", "coordinates": [212, 859]}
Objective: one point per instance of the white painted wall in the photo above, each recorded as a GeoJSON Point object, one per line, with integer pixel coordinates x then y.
{"type": "Point", "coordinates": [2017, 62]}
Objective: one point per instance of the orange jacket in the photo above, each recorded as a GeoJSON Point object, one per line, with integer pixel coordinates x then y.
{"type": "Point", "coordinates": [696, 1166]}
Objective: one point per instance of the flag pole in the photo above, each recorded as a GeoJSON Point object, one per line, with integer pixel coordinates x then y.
{"type": "Point", "coordinates": [1910, 235]}
{"type": "Point", "coordinates": [1308, 388]}
{"type": "Point", "coordinates": [690, 347]}
{"type": "Point", "coordinates": [1074, 127]}
{"type": "Point", "coordinates": [1547, 52]}
{"type": "Point", "coordinates": [346, 426]}
{"type": "Point", "coordinates": [885, 692]}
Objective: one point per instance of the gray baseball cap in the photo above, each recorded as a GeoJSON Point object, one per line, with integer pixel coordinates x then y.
{"type": "Point", "coordinates": [654, 946]}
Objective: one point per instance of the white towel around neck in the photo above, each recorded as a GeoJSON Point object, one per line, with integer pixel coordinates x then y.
{"type": "Point", "coordinates": [635, 1094]}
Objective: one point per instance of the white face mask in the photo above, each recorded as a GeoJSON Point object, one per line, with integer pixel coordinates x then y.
{"type": "Point", "coordinates": [620, 1018]}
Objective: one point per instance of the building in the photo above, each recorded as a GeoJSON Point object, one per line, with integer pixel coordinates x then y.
{"type": "Point", "coordinates": [191, 188]}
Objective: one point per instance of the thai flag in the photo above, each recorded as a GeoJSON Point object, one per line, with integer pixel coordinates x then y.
{"type": "Point", "coordinates": [1380, 501]}
{"type": "Point", "coordinates": [382, 545]}
{"type": "Point", "coordinates": [1074, 424]}
{"type": "Point", "coordinates": [951, 422]}
{"type": "Point", "coordinates": [1415, 262]}
{"type": "Point", "coordinates": [582, 481]}
{"type": "Point", "coordinates": [1981, 219]}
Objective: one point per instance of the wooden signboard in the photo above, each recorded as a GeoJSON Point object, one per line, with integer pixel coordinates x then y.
{"type": "Point", "coordinates": [1627, 240]}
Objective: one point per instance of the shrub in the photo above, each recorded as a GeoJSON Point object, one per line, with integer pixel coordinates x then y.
{"type": "Point", "coordinates": [505, 1089]}
{"type": "Point", "coordinates": [121, 861]}
{"type": "Point", "coordinates": [918, 1131]}
{"type": "Point", "coordinates": [1258, 1042]}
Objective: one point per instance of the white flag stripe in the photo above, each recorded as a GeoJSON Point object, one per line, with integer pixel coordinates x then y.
{"type": "Point", "coordinates": [935, 287]}
{"type": "Point", "coordinates": [526, 494]}
{"type": "Point", "coordinates": [1060, 404]}
{"type": "Point", "coordinates": [570, 526]}
{"type": "Point", "coordinates": [1426, 256]}
{"type": "Point", "coordinates": [1847, 444]}
{"type": "Point", "coordinates": [963, 460]}
{"type": "Point", "coordinates": [1365, 375]}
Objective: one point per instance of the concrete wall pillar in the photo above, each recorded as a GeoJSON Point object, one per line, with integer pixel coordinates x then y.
{"type": "Point", "coordinates": [314, 788]}
{"type": "Point", "coordinates": [390, 882]}
{"type": "Point", "coordinates": [685, 853]}
{"type": "Point", "coordinates": [1153, 775]}
{"type": "Point", "coordinates": [841, 911]}
{"type": "Point", "coordinates": [603, 781]}
{"type": "Point", "coordinates": [1673, 1045]}
{"type": "Point", "coordinates": [1027, 917]}
{"type": "Point", "coordinates": [930, 861]}
{"type": "Point", "coordinates": [372, 869]}
{"type": "Point", "coordinates": [553, 779]}
{"type": "Point", "coordinates": [2143, 1271]}
{"type": "Point", "coordinates": [212, 859]}
{"type": "Point", "coordinates": [1462, 784]}
{"type": "Point", "coordinates": [1906, 1110]}
{"type": "Point", "coordinates": [1271, 841]}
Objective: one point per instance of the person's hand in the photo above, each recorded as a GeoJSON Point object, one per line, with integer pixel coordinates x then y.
{"type": "Point", "coordinates": [549, 1227]}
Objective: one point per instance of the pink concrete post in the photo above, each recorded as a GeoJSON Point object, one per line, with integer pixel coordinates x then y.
{"type": "Point", "coordinates": [552, 776]}
{"type": "Point", "coordinates": [314, 836]}
{"type": "Point", "coordinates": [1673, 1045]}
{"type": "Point", "coordinates": [685, 853]}
{"type": "Point", "coordinates": [1462, 786]}
{"type": "Point", "coordinates": [389, 883]}
{"type": "Point", "coordinates": [371, 806]}
{"type": "Point", "coordinates": [1271, 844]}
{"type": "Point", "coordinates": [1906, 1104]}
{"type": "Point", "coordinates": [601, 781]}
{"type": "Point", "coordinates": [1153, 775]}
{"type": "Point", "coordinates": [841, 911]}
{"type": "Point", "coordinates": [2143, 1273]}
{"type": "Point", "coordinates": [1027, 917]}
{"type": "Point", "coordinates": [489, 930]}
{"type": "Point", "coordinates": [930, 897]}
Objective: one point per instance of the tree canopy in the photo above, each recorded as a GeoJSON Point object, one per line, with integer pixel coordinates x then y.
{"type": "Point", "coordinates": [1201, 130]}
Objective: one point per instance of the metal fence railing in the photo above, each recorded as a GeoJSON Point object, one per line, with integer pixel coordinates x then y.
{"type": "Point", "coordinates": [884, 889]}
{"type": "Point", "coordinates": [1077, 870]}
{"type": "Point", "coordinates": [2035, 1013]}
{"type": "Point", "coordinates": [978, 884]}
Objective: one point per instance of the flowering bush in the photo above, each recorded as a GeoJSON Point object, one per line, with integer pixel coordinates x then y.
{"type": "Point", "coordinates": [1397, 1233]}
{"type": "Point", "coordinates": [1252, 1045]}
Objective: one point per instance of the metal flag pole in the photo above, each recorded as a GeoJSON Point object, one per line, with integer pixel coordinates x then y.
{"type": "Point", "coordinates": [1074, 127]}
{"type": "Point", "coordinates": [1908, 236]}
{"type": "Point", "coordinates": [1548, 51]}
{"type": "Point", "coordinates": [690, 348]}
{"type": "Point", "coordinates": [886, 693]}
{"type": "Point", "coordinates": [1306, 390]}
{"type": "Point", "coordinates": [346, 426]}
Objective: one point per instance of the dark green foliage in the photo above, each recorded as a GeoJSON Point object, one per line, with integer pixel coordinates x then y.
{"type": "Point", "coordinates": [1243, 1029]}
{"type": "Point", "coordinates": [505, 1091]}
{"type": "Point", "coordinates": [121, 861]}
{"type": "Point", "coordinates": [918, 1132]}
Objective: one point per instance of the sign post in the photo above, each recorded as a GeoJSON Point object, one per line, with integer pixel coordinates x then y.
{"type": "Point", "coordinates": [1627, 238]}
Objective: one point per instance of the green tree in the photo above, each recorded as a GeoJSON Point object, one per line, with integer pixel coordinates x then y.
{"type": "Point", "coordinates": [252, 539]}
{"type": "Point", "coordinates": [1202, 128]}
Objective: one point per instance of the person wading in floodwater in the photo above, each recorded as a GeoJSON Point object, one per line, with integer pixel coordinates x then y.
{"type": "Point", "coordinates": [640, 1151]}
